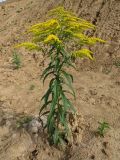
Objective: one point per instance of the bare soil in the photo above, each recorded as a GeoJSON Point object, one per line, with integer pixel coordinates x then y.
{"type": "Point", "coordinates": [97, 83]}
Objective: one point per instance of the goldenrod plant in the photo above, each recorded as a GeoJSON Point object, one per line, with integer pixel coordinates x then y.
{"type": "Point", "coordinates": [56, 35]}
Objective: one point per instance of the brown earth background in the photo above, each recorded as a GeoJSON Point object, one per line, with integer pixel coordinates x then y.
{"type": "Point", "coordinates": [97, 83]}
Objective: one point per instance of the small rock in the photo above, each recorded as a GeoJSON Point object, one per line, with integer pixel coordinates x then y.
{"type": "Point", "coordinates": [92, 101]}
{"type": "Point", "coordinates": [44, 120]}
{"type": "Point", "coordinates": [93, 92]}
{"type": "Point", "coordinates": [34, 126]}
{"type": "Point", "coordinates": [34, 130]}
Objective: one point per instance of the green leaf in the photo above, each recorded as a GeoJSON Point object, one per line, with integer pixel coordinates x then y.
{"type": "Point", "coordinates": [51, 126]}
{"type": "Point", "coordinates": [45, 113]}
{"type": "Point", "coordinates": [57, 64]}
{"type": "Point", "coordinates": [65, 53]}
{"type": "Point", "coordinates": [56, 136]}
{"type": "Point", "coordinates": [46, 95]}
{"type": "Point", "coordinates": [61, 112]}
{"type": "Point", "coordinates": [50, 73]}
{"type": "Point", "coordinates": [49, 91]}
{"type": "Point", "coordinates": [45, 105]}
{"type": "Point", "coordinates": [66, 103]}
{"type": "Point", "coordinates": [61, 65]}
{"type": "Point", "coordinates": [71, 88]}
{"type": "Point", "coordinates": [51, 50]}
{"type": "Point", "coordinates": [69, 79]}
{"type": "Point", "coordinates": [68, 76]}
{"type": "Point", "coordinates": [48, 69]}
{"type": "Point", "coordinates": [54, 101]}
{"type": "Point", "coordinates": [66, 91]}
{"type": "Point", "coordinates": [56, 88]}
{"type": "Point", "coordinates": [70, 64]}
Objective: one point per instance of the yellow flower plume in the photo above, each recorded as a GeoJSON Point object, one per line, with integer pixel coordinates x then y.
{"type": "Point", "coordinates": [29, 46]}
{"type": "Point", "coordinates": [52, 39]}
{"type": "Point", "coordinates": [53, 23]}
{"type": "Point", "coordinates": [83, 53]}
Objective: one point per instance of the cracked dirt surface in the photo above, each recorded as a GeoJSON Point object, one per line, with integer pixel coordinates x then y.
{"type": "Point", "coordinates": [97, 83]}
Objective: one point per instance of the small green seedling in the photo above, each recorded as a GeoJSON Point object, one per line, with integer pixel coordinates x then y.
{"type": "Point", "coordinates": [117, 63]}
{"type": "Point", "coordinates": [102, 128]}
{"type": "Point", "coordinates": [32, 87]}
{"type": "Point", "coordinates": [23, 121]}
{"type": "Point", "coordinates": [16, 60]}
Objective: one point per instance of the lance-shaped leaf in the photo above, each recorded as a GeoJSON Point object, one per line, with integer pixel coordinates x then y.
{"type": "Point", "coordinates": [69, 81]}
{"type": "Point", "coordinates": [67, 104]}
{"type": "Point", "coordinates": [48, 69]}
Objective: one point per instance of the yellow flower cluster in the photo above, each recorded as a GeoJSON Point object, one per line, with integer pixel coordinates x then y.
{"type": "Point", "coordinates": [59, 11]}
{"type": "Point", "coordinates": [80, 26]}
{"type": "Point", "coordinates": [83, 53]}
{"type": "Point", "coordinates": [46, 24]}
{"type": "Point", "coordinates": [93, 40]}
{"type": "Point", "coordinates": [45, 27]}
{"type": "Point", "coordinates": [87, 40]}
{"type": "Point", "coordinates": [29, 46]}
{"type": "Point", "coordinates": [68, 19]}
{"type": "Point", "coordinates": [83, 38]}
{"type": "Point", "coordinates": [65, 25]}
{"type": "Point", "coordinates": [52, 39]}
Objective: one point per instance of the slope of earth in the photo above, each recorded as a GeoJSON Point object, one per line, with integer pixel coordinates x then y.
{"type": "Point", "coordinates": [97, 83]}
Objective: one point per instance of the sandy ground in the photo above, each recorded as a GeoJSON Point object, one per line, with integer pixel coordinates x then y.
{"type": "Point", "coordinates": [97, 84]}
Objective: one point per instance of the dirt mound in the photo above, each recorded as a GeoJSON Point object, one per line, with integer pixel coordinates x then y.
{"type": "Point", "coordinates": [97, 83]}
